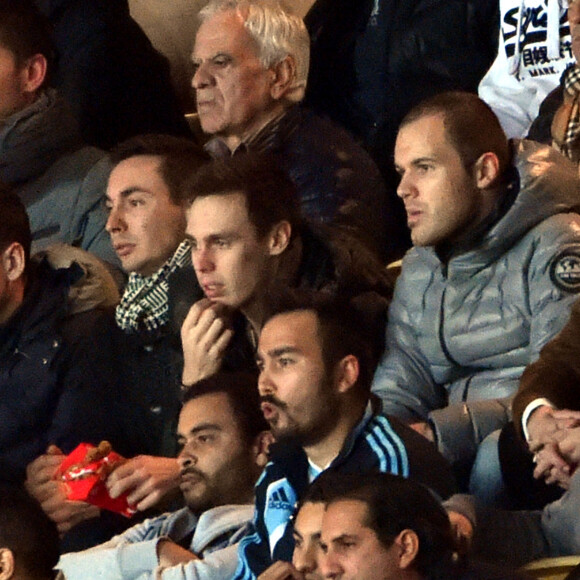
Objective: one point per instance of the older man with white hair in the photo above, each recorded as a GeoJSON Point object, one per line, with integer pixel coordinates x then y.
{"type": "Point", "coordinates": [251, 62]}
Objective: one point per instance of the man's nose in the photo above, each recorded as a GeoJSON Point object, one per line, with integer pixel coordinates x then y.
{"type": "Point", "coordinates": [405, 187]}
{"type": "Point", "coordinates": [115, 221]}
{"type": "Point", "coordinates": [201, 77]}
{"type": "Point", "coordinates": [328, 566]}
{"type": "Point", "coordinates": [202, 260]}
{"type": "Point", "coordinates": [306, 560]}
{"type": "Point", "coordinates": [186, 457]}
{"type": "Point", "coordinates": [265, 384]}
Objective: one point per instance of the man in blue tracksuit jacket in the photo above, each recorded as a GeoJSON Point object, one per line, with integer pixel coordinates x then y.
{"type": "Point", "coordinates": [314, 386]}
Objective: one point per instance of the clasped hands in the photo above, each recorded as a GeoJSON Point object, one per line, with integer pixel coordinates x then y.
{"type": "Point", "coordinates": [554, 439]}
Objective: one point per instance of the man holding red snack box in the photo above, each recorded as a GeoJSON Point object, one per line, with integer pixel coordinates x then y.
{"type": "Point", "coordinates": [224, 439]}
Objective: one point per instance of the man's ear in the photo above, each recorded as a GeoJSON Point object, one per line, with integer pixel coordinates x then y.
{"type": "Point", "coordinates": [6, 564]}
{"type": "Point", "coordinates": [279, 238]}
{"type": "Point", "coordinates": [283, 76]}
{"type": "Point", "coordinates": [13, 261]}
{"type": "Point", "coordinates": [346, 373]}
{"type": "Point", "coordinates": [261, 448]}
{"type": "Point", "coordinates": [407, 543]}
{"type": "Point", "coordinates": [33, 73]}
{"type": "Point", "coordinates": [486, 170]}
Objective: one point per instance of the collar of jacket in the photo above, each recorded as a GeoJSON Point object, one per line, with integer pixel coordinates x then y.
{"type": "Point", "coordinates": [548, 186]}
{"type": "Point", "coordinates": [290, 449]}
{"type": "Point", "coordinates": [269, 138]}
{"type": "Point", "coordinates": [46, 298]}
{"type": "Point", "coordinates": [33, 139]}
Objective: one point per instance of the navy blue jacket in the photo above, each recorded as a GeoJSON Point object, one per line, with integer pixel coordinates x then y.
{"type": "Point", "coordinates": [56, 378]}
{"type": "Point", "coordinates": [337, 181]}
{"type": "Point", "coordinates": [376, 443]}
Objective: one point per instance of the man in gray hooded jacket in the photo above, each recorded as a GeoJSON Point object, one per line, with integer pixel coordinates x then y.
{"type": "Point", "coordinates": [492, 276]}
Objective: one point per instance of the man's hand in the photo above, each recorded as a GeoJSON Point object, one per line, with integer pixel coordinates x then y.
{"type": "Point", "coordinates": [281, 571]}
{"type": "Point", "coordinates": [541, 428]}
{"type": "Point", "coordinates": [569, 445]}
{"type": "Point", "coordinates": [423, 428]}
{"type": "Point", "coordinates": [50, 493]}
{"type": "Point", "coordinates": [551, 466]}
{"type": "Point", "coordinates": [567, 419]}
{"type": "Point", "coordinates": [555, 442]}
{"type": "Point", "coordinates": [170, 554]}
{"type": "Point", "coordinates": [205, 334]}
{"type": "Point", "coordinates": [147, 479]}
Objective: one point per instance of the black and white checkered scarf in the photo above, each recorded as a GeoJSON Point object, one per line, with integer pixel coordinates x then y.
{"type": "Point", "coordinates": [571, 145]}
{"type": "Point", "coordinates": [144, 305]}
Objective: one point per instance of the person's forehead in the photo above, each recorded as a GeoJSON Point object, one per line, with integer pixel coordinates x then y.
{"type": "Point", "coordinates": [309, 518]}
{"type": "Point", "coordinates": [429, 129]}
{"type": "Point", "coordinates": [214, 408]}
{"type": "Point", "coordinates": [224, 32]}
{"type": "Point", "coordinates": [297, 329]}
{"type": "Point", "coordinates": [425, 137]}
{"type": "Point", "coordinates": [344, 516]}
{"type": "Point", "coordinates": [218, 211]}
{"type": "Point", "coordinates": [140, 172]}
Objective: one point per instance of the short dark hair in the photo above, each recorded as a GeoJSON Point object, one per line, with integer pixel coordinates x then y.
{"type": "Point", "coordinates": [241, 388]}
{"type": "Point", "coordinates": [24, 31]}
{"type": "Point", "coordinates": [14, 223]}
{"type": "Point", "coordinates": [470, 124]}
{"type": "Point", "coordinates": [271, 196]}
{"type": "Point", "coordinates": [179, 157]}
{"type": "Point", "coordinates": [28, 532]}
{"type": "Point", "coordinates": [342, 328]}
{"type": "Point", "coordinates": [394, 504]}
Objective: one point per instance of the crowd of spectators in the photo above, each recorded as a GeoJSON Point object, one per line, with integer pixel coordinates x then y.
{"type": "Point", "coordinates": [326, 327]}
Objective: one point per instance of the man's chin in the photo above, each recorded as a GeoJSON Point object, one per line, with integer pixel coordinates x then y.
{"type": "Point", "coordinates": [196, 503]}
{"type": "Point", "coordinates": [211, 125]}
{"type": "Point", "coordinates": [284, 433]}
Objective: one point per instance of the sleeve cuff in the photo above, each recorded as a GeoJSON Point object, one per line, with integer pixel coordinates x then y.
{"type": "Point", "coordinates": [529, 410]}
{"type": "Point", "coordinates": [135, 559]}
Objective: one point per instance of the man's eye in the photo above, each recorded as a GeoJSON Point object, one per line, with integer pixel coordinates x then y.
{"type": "Point", "coordinates": [285, 362]}
{"type": "Point", "coordinates": [346, 545]}
{"type": "Point", "coordinates": [221, 61]}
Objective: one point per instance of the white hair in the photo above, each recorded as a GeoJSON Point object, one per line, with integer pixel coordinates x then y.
{"type": "Point", "coordinates": [277, 33]}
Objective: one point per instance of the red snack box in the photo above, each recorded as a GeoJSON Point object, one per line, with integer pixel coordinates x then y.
{"type": "Point", "coordinates": [85, 480]}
